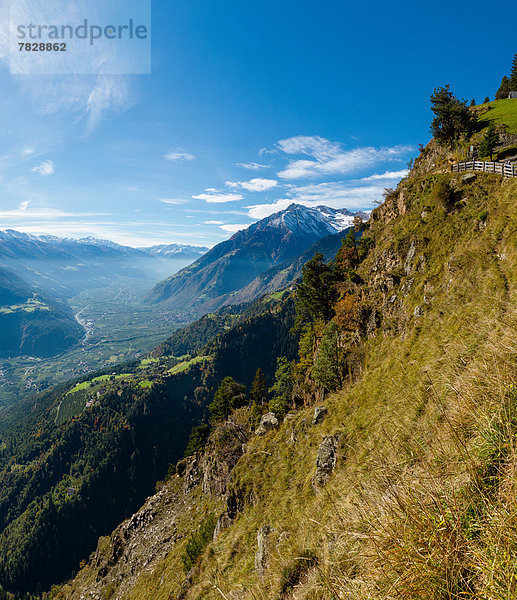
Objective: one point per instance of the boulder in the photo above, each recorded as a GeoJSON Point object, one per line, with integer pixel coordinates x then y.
{"type": "Point", "coordinates": [326, 459]}
{"type": "Point", "coordinates": [468, 178]}
{"type": "Point", "coordinates": [320, 412]}
{"type": "Point", "coordinates": [261, 554]}
{"type": "Point", "coordinates": [267, 423]}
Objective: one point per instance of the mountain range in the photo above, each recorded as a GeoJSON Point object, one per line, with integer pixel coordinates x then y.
{"type": "Point", "coordinates": [218, 276]}
{"type": "Point", "coordinates": [40, 273]}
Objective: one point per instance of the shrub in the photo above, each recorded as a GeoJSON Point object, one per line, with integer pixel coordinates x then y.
{"type": "Point", "coordinates": [197, 542]}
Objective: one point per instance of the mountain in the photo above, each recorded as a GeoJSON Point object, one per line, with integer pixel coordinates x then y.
{"type": "Point", "coordinates": [286, 273]}
{"type": "Point", "coordinates": [31, 323]}
{"type": "Point", "coordinates": [233, 264]}
{"type": "Point", "coordinates": [15, 244]}
{"type": "Point", "coordinates": [64, 267]}
{"type": "Point", "coordinates": [175, 250]}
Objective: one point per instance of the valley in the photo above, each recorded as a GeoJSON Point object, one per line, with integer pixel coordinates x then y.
{"type": "Point", "coordinates": [118, 328]}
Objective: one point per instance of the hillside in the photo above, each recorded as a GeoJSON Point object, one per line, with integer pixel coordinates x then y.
{"type": "Point", "coordinates": [233, 264]}
{"type": "Point", "coordinates": [404, 486]}
{"type": "Point", "coordinates": [78, 459]}
{"type": "Point", "coordinates": [31, 323]}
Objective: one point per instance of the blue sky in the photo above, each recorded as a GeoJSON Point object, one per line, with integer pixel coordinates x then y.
{"type": "Point", "coordinates": [249, 107]}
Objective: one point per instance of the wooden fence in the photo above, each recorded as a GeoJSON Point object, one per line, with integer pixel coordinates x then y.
{"type": "Point", "coordinates": [486, 167]}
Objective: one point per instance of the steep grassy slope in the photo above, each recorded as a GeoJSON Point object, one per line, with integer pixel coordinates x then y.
{"type": "Point", "coordinates": [503, 112]}
{"type": "Point", "coordinates": [406, 489]}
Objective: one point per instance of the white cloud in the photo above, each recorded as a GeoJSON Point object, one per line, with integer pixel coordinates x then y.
{"type": "Point", "coordinates": [173, 201]}
{"type": "Point", "coordinates": [45, 168]}
{"type": "Point", "coordinates": [109, 93]}
{"type": "Point", "coordinates": [179, 156]}
{"type": "Point", "coordinates": [328, 158]}
{"type": "Point", "coordinates": [253, 166]}
{"type": "Point", "coordinates": [254, 185]}
{"type": "Point", "coordinates": [213, 222]}
{"type": "Point", "coordinates": [335, 195]}
{"type": "Point", "coordinates": [218, 198]}
{"type": "Point", "coordinates": [26, 212]}
{"type": "Point", "coordinates": [388, 175]}
{"type": "Point", "coordinates": [234, 227]}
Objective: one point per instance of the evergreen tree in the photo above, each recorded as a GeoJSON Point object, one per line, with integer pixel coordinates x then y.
{"type": "Point", "coordinates": [504, 88]}
{"type": "Point", "coordinates": [490, 141]}
{"type": "Point", "coordinates": [472, 102]}
{"type": "Point", "coordinates": [228, 396]}
{"type": "Point", "coordinates": [486, 100]}
{"type": "Point", "coordinates": [513, 76]}
{"type": "Point", "coordinates": [259, 391]}
{"type": "Point", "coordinates": [316, 294]}
{"type": "Point", "coordinates": [282, 388]}
{"type": "Point", "coordinates": [452, 116]}
{"type": "Point", "coordinates": [326, 370]}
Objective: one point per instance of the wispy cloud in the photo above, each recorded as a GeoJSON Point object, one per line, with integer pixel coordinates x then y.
{"type": "Point", "coordinates": [213, 222]}
{"type": "Point", "coordinates": [179, 156]}
{"type": "Point", "coordinates": [253, 166]}
{"type": "Point", "coordinates": [173, 201]}
{"type": "Point", "coordinates": [25, 212]}
{"type": "Point", "coordinates": [45, 168]}
{"type": "Point", "coordinates": [254, 185]}
{"type": "Point", "coordinates": [329, 158]}
{"type": "Point", "coordinates": [335, 195]}
{"type": "Point", "coordinates": [234, 227]}
{"type": "Point", "coordinates": [387, 176]}
{"type": "Point", "coordinates": [218, 198]}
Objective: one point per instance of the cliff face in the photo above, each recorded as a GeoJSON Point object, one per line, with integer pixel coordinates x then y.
{"type": "Point", "coordinates": [404, 486]}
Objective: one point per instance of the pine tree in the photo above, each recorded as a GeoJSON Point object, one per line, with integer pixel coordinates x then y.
{"type": "Point", "coordinates": [452, 116]}
{"type": "Point", "coordinates": [490, 141]}
{"type": "Point", "coordinates": [513, 76]}
{"type": "Point", "coordinates": [282, 388]}
{"type": "Point", "coordinates": [504, 88]}
{"type": "Point", "coordinates": [258, 392]}
{"type": "Point", "coordinates": [326, 370]}
{"type": "Point", "coordinates": [486, 100]}
{"type": "Point", "coordinates": [316, 294]}
{"type": "Point", "coordinates": [473, 102]}
{"type": "Point", "coordinates": [229, 395]}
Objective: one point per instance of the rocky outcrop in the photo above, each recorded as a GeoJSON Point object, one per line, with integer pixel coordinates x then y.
{"type": "Point", "coordinates": [267, 423]}
{"type": "Point", "coordinates": [326, 459]}
{"type": "Point", "coordinates": [261, 554]}
{"type": "Point", "coordinates": [320, 412]}
{"type": "Point", "coordinates": [221, 454]}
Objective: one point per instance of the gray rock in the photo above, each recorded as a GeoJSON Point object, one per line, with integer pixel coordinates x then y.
{"type": "Point", "coordinates": [267, 423]}
{"type": "Point", "coordinates": [468, 177]}
{"type": "Point", "coordinates": [320, 412]}
{"type": "Point", "coordinates": [326, 459]}
{"type": "Point", "coordinates": [222, 523]}
{"type": "Point", "coordinates": [261, 554]}
{"type": "Point", "coordinates": [418, 312]}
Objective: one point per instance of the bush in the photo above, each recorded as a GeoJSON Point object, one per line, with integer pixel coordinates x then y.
{"type": "Point", "coordinates": [198, 438]}
{"type": "Point", "coordinates": [197, 542]}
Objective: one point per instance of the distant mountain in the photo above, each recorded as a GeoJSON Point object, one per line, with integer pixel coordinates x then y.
{"type": "Point", "coordinates": [175, 250]}
{"type": "Point", "coordinates": [285, 274]}
{"type": "Point", "coordinates": [15, 244]}
{"type": "Point", "coordinates": [63, 267]}
{"type": "Point", "coordinates": [31, 323]}
{"type": "Point", "coordinates": [235, 263]}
